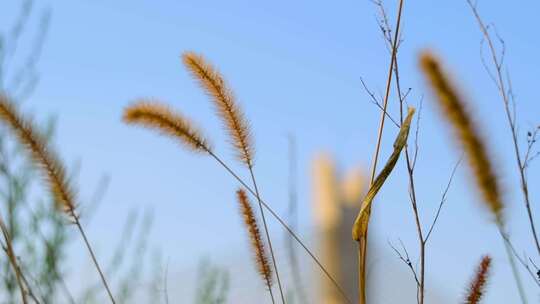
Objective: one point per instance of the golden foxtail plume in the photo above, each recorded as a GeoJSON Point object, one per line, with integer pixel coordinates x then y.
{"type": "Point", "coordinates": [223, 98]}
{"type": "Point", "coordinates": [42, 155]}
{"type": "Point", "coordinates": [455, 111]}
{"type": "Point", "coordinates": [477, 286]}
{"type": "Point", "coordinates": [54, 172]}
{"type": "Point", "coordinates": [250, 221]}
{"type": "Point", "coordinates": [158, 116]}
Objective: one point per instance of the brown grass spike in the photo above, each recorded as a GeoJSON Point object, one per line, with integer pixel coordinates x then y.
{"type": "Point", "coordinates": [235, 123]}
{"type": "Point", "coordinates": [263, 263]}
{"type": "Point", "coordinates": [455, 111]}
{"type": "Point", "coordinates": [155, 115]}
{"type": "Point", "coordinates": [42, 155]}
{"type": "Point", "coordinates": [169, 127]}
{"type": "Point", "coordinates": [478, 284]}
{"type": "Point", "coordinates": [223, 98]}
{"type": "Point", "coordinates": [54, 172]}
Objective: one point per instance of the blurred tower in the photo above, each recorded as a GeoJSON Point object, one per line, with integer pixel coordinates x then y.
{"type": "Point", "coordinates": [336, 204]}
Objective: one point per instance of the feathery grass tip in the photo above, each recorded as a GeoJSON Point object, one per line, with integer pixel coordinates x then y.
{"type": "Point", "coordinates": [263, 263]}
{"type": "Point", "coordinates": [478, 284]}
{"type": "Point", "coordinates": [158, 116]}
{"type": "Point", "coordinates": [42, 155]}
{"type": "Point", "coordinates": [223, 98]}
{"type": "Point", "coordinates": [455, 112]}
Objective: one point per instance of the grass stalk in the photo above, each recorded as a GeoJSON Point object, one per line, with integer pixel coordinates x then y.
{"type": "Point", "coordinates": [293, 234]}
{"type": "Point", "coordinates": [93, 256]}
{"type": "Point", "coordinates": [263, 217]}
{"type": "Point", "coordinates": [13, 261]}
{"type": "Point", "coordinates": [172, 126]}
{"type": "Point", "coordinates": [237, 126]}
{"type": "Point", "coordinates": [363, 243]}
{"type": "Point", "coordinates": [51, 167]}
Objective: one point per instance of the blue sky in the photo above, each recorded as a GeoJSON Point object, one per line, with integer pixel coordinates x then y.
{"type": "Point", "coordinates": [295, 68]}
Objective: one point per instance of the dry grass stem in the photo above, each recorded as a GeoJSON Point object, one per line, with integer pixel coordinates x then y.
{"type": "Point", "coordinates": [160, 117]}
{"type": "Point", "coordinates": [363, 243]}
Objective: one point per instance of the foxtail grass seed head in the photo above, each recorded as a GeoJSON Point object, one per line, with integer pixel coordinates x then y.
{"type": "Point", "coordinates": [224, 101]}
{"type": "Point", "coordinates": [258, 247]}
{"type": "Point", "coordinates": [478, 284]}
{"type": "Point", "coordinates": [42, 155]}
{"type": "Point", "coordinates": [160, 117]}
{"type": "Point", "coordinates": [454, 110]}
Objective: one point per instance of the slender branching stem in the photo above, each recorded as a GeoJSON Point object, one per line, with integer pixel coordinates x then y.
{"type": "Point", "coordinates": [506, 95]}
{"type": "Point", "coordinates": [412, 190]}
{"type": "Point", "coordinates": [443, 200]}
{"type": "Point", "coordinates": [523, 261]}
{"type": "Point", "coordinates": [386, 31]}
{"type": "Point", "coordinates": [362, 250]}
{"type": "Point", "coordinates": [422, 244]}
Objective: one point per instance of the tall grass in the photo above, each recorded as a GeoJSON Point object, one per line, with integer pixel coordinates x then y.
{"type": "Point", "coordinates": [167, 121]}
{"type": "Point", "coordinates": [53, 171]}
